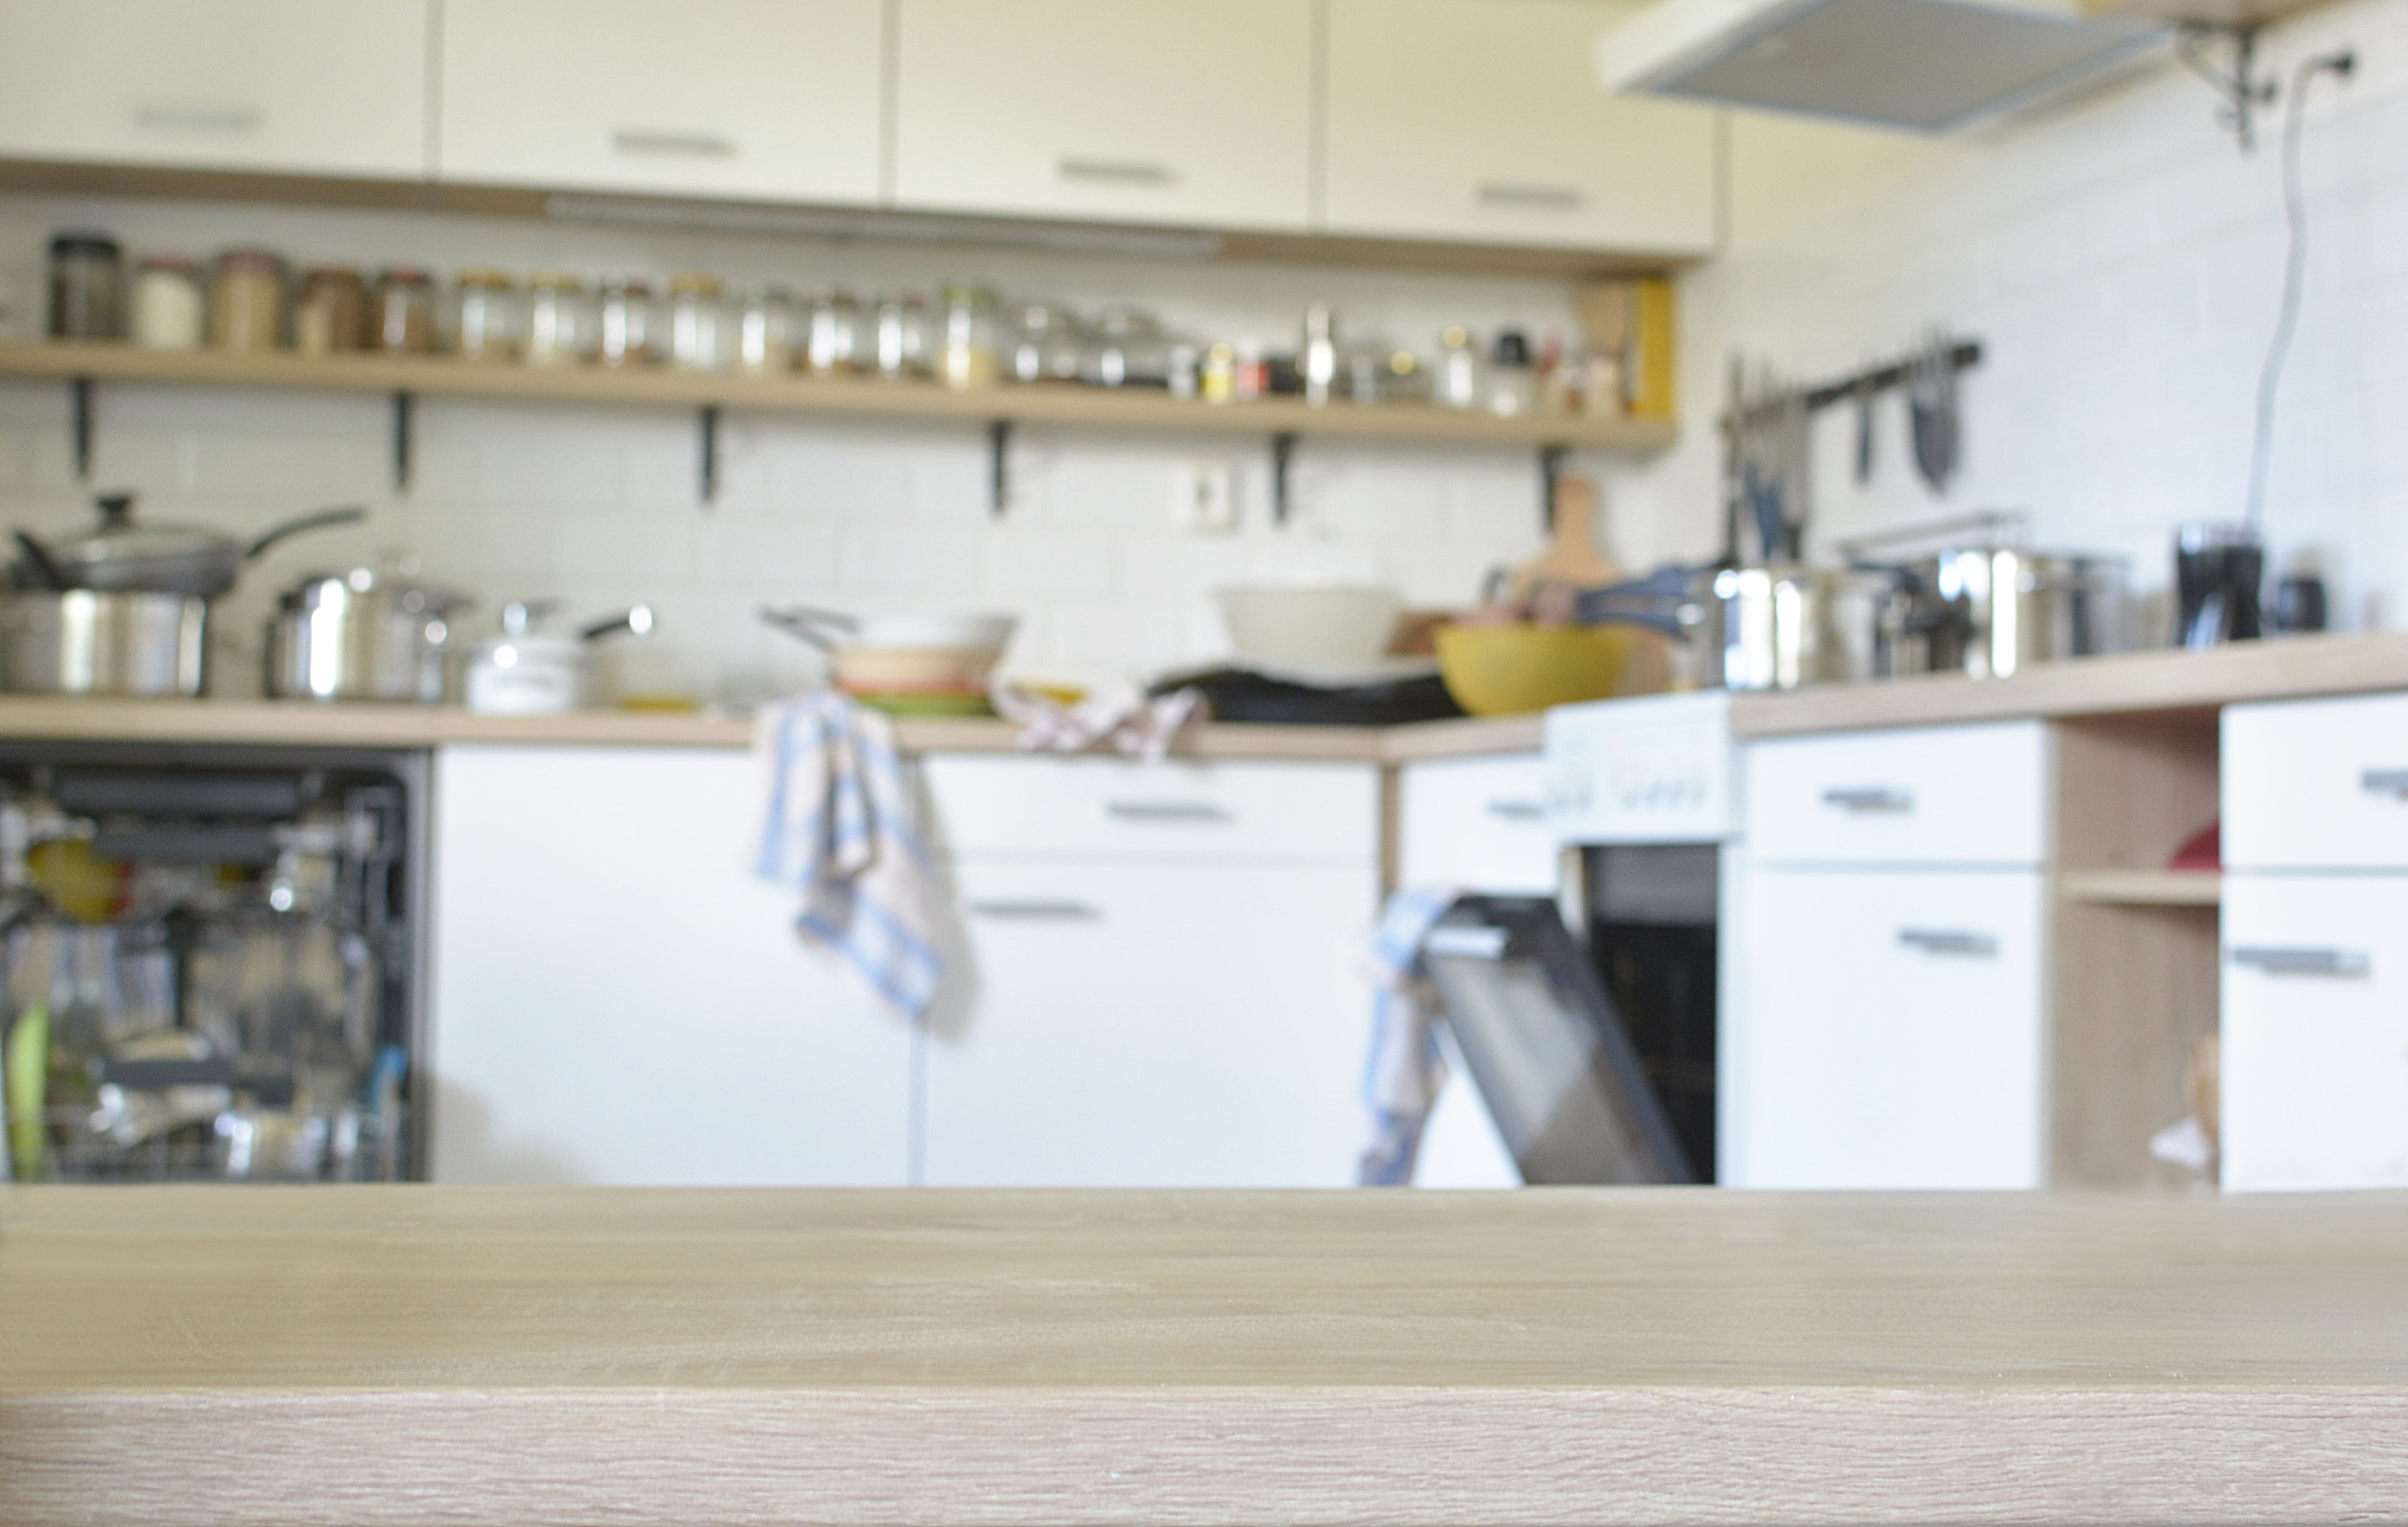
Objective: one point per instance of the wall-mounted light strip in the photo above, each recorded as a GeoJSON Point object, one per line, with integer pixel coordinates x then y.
{"type": "Point", "coordinates": [898, 227]}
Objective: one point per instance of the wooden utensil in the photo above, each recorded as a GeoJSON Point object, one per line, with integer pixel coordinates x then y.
{"type": "Point", "coordinates": [1571, 556]}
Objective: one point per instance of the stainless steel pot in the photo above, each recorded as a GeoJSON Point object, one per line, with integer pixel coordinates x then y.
{"type": "Point", "coordinates": [367, 634]}
{"type": "Point", "coordinates": [87, 642]}
{"type": "Point", "coordinates": [1993, 612]}
{"type": "Point", "coordinates": [1782, 627]}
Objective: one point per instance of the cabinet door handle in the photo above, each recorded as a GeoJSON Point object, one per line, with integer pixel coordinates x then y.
{"type": "Point", "coordinates": [1035, 910]}
{"type": "Point", "coordinates": [1561, 198]}
{"type": "Point", "coordinates": [2281, 962]}
{"type": "Point", "coordinates": [2385, 782]}
{"type": "Point", "coordinates": [1517, 810]}
{"type": "Point", "coordinates": [1118, 171]}
{"type": "Point", "coordinates": [1949, 940]}
{"type": "Point", "coordinates": [161, 117]}
{"type": "Point", "coordinates": [1867, 798]}
{"type": "Point", "coordinates": [1164, 811]}
{"type": "Point", "coordinates": [684, 145]}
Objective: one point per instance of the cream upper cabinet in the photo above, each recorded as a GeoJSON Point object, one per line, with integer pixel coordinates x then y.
{"type": "Point", "coordinates": [773, 99]}
{"type": "Point", "coordinates": [295, 86]}
{"type": "Point", "coordinates": [1481, 122]}
{"type": "Point", "coordinates": [1158, 111]}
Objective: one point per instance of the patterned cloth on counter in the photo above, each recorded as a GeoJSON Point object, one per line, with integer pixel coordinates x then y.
{"type": "Point", "coordinates": [1140, 728]}
{"type": "Point", "coordinates": [839, 824]}
{"type": "Point", "coordinates": [1405, 1068]}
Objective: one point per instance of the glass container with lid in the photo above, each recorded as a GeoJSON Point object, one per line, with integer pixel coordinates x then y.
{"type": "Point", "coordinates": [332, 312]}
{"type": "Point", "coordinates": [485, 315]}
{"type": "Point", "coordinates": [87, 287]}
{"type": "Point", "coordinates": [1128, 349]}
{"type": "Point", "coordinates": [765, 329]}
{"type": "Point", "coordinates": [169, 311]}
{"type": "Point", "coordinates": [1046, 347]}
{"type": "Point", "coordinates": [623, 322]}
{"type": "Point", "coordinates": [401, 315]}
{"type": "Point", "coordinates": [835, 343]}
{"type": "Point", "coordinates": [902, 335]}
{"type": "Point", "coordinates": [698, 323]}
{"type": "Point", "coordinates": [246, 302]}
{"type": "Point", "coordinates": [560, 325]}
{"type": "Point", "coordinates": [972, 354]}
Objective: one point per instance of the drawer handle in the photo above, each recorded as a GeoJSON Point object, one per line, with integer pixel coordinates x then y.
{"type": "Point", "coordinates": [1867, 798]}
{"type": "Point", "coordinates": [1164, 811]}
{"type": "Point", "coordinates": [2385, 782]}
{"type": "Point", "coordinates": [198, 119]}
{"type": "Point", "coordinates": [1036, 911]}
{"type": "Point", "coordinates": [685, 145]}
{"type": "Point", "coordinates": [1118, 171]}
{"type": "Point", "coordinates": [1517, 810]}
{"type": "Point", "coordinates": [2279, 961]}
{"type": "Point", "coordinates": [1562, 198]}
{"type": "Point", "coordinates": [1941, 941]}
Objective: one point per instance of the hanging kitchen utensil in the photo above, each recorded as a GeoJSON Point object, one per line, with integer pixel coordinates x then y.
{"type": "Point", "coordinates": [1865, 395]}
{"type": "Point", "coordinates": [1931, 414]}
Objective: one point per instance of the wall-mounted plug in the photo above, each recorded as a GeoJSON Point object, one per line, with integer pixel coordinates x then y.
{"type": "Point", "coordinates": [1208, 497]}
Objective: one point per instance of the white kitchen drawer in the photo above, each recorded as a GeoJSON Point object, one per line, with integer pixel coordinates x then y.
{"type": "Point", "coordinates": [771, 99]}
{"type": "Point", "coordinates": [1478, 824]}
{"type": "Point", "coordinates": [2317, 784]}
{"type": "Point", "coordinates": [1481, 121]}
{"type": "Point", "coordinates": [2314, 1059]}
{"type": "Point", "coordinates": [1154, 1026]}
{"type": "Point", "coordinates": [1001, 804]}
{"type": "Point", "coordinates": [1975, 795]}
{"type": "Point", "coordinates": [283, 85]}
{"type": "Point", "coordinates": [1891, 1030]}
{"type": "Point", "coordinates": [1195, 112]}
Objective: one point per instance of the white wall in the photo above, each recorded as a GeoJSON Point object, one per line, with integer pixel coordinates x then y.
{"type": "Point", "coordinates": [598, 505]}
{"type": "Point", "coordinates": [2121, 260]}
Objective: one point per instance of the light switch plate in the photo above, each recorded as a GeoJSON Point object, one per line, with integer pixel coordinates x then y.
{"type": "Point", "coordinates": [1208, 497]}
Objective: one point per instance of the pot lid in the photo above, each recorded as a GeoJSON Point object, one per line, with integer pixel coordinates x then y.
{"type": "Point", "coordinates": [394, 576]}
{"type": "Point", "coordinates": [119, 553]}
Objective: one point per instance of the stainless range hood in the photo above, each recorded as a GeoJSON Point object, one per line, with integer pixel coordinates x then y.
{"type": "Point", "coordinates": [1928, 65]}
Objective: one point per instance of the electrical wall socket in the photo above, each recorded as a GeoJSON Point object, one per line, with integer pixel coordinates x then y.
{"type": "Point", "coordinates": [1208, 497]}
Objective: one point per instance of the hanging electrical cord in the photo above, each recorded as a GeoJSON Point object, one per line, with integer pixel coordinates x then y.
{"type": "Point", "coordinates": [2341, 62]}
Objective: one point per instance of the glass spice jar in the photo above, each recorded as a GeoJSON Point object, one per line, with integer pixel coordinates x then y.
{"type": "Point", "coordinates": [401, 315]}
{"type": "Point", "coordinates": [901, 344]}
{"type": "Point", "coordinates": [169, 311]}
{"type": "Point", "coordinates": [331, 314]}
{"type": "Point", "coordinates": [765, 329]}
{"type": "Point", "coordinates": [697, 322]}
{"type": "Point", "coordinates": [485, 315]}
{"type": "Point", "coordinates": [246, 302]}
{"type": "Point", "coordinates": [972, 356]}
{"type": "Point", "coordinates": [835, 343]}
{"type": "Point", "coordinates": [559, 328]}
{"type": "Point", "coordinates": [87, 287]}
{"type": "Point", "coordinates": [624, 323]}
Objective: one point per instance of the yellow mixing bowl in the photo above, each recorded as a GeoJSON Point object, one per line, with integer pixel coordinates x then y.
{"type": "Point", "coordinates": [1508, 670]}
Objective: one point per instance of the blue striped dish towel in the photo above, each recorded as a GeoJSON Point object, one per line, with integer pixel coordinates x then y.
{"type": "Point", "coordinates": [1405, 1068]}
{"type": "Point", "coordinates": [837, 825]}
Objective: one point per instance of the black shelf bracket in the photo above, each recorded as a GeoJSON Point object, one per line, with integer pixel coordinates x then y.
{"type": "Point", "coordinates": [998, 467]}
{"type": "Point", "coordinates": [707, 425]}
{"type": "Point", "coordinates": [1551, 471]}
{"type": "Point", "coordinates": [1283, 455]}
{"type": "Point", "coordinates": [79, 425]}
{"type": "Point", "coordinates": [404, 440]}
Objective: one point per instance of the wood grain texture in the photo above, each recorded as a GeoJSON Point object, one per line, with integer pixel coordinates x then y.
{"type": "Point", "coordinates": [2161, 682]}
{"type": "Point", "coordinates": [2143, 888]}
{"type": "Point", "coordinates": [443, 376]}
{"type": "Point", "coordinates": [417, 1354]}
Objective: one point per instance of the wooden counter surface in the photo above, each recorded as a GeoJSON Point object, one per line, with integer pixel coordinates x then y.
{"type": "Point", "coordinates": [250, 1354]}
{"type": "Point", "coordinates": [273, 724]}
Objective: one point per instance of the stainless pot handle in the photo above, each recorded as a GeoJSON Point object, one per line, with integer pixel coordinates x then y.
{"type": "Point", "coordinates": [636, 620]}
{"type": "Point", "coordinates": [804, 624]}
{"type": "Point", "coordinates": [352, 514]}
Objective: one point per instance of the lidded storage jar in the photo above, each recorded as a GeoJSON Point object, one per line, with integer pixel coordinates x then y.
{"type": "Point", "coordinates": [247, 303]}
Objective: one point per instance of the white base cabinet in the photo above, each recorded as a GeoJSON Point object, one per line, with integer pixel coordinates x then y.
{"type": "Point", "coordinates": [616, 1001]}
{"type": "Point", "coordinates": [1892, 1034]}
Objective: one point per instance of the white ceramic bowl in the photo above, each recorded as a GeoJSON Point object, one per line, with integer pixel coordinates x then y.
{"type": "Point", "coordinates": [1329, 628]}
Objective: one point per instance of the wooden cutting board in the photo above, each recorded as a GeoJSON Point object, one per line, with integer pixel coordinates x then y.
{"type": "Point", "coordinates": [1571, 556]}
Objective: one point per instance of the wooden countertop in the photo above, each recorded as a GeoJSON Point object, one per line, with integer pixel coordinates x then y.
{"type": "Point", "coordinates": [273, 724]}
{"type": "Point", "coordinates": [247, 1355]}
{"type": "Point", "coordinates": [2132, 684]}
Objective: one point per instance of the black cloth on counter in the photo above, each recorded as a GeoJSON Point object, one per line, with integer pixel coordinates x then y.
{"type": "Point", "coordinates": [1237, 694]}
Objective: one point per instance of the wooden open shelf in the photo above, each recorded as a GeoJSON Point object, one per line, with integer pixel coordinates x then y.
{"type": "Point", "coordinates": [2144, 888]}
{"type": "Point", "coordinates": [443, 376]}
